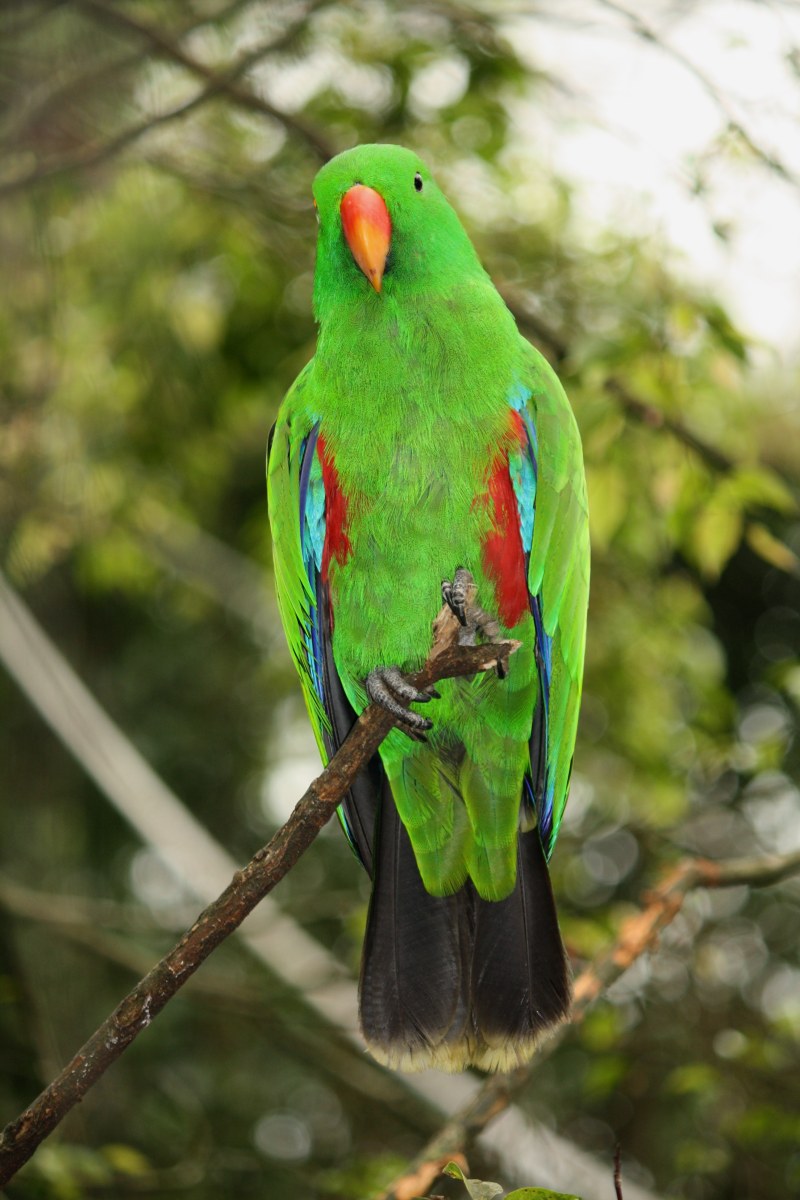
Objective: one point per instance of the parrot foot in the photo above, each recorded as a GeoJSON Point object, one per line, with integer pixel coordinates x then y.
{"type": "Point", "coordinates": [456, 594]}
{"type": "Point", "coordinates": [387, 687]}
{"type": "Point", "coordinates": [461, 597]}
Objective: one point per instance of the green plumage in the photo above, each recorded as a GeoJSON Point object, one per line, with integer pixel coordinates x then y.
{"type": "Point", "coordinates": [411, 393]}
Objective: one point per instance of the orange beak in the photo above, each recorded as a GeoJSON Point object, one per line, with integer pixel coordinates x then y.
{"type": "Point", "coordinates": [366, 225]}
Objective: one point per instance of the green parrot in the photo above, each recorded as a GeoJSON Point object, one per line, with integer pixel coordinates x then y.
{"type": "Point", "coordinates": [427, 449]}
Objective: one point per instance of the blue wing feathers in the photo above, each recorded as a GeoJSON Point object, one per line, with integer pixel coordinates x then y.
{"type": "Point", "coordinates": [358, 810]}
{"type": "Point", "coordinates": [538, 791]}
{"type": "Point", "coordinates": [312, 540]}
{"type": "Point", "coordinates": [307, 448]}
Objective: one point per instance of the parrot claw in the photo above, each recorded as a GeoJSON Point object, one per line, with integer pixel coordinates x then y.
{"type": "Point", "coordinates": [460, 597]}
{"type": "Point", "coordinates": [456, 594]}
{"type": "Point", "coordinates": [387, 687]}
{"type": "Point", "coordinates": [485, 624]}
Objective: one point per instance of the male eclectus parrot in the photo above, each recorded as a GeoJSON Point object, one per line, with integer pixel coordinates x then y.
{"type": "Point", "coordinates": [427, 441]}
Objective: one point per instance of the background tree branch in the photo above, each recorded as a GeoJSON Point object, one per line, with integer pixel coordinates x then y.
{"type": "Point", "coordinates": [219, 82]}
{"type": "Point", "coordinates": [222, 82]}
{"type": "Point", "coordinates": [44, 105]}
{"type": "Point", "coordinates": [649, 34]}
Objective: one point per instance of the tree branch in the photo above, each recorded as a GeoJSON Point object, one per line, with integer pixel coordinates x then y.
{"type": "Point", "coordinates": [636, 935]}
{"type": "Point", "coordinates": [631, 403]}
{"type": "Point", "coordinates": [768, 547]}
{"type": "Point", "coordinates": [33, 110]}
{"type": "Point", "coordinates": [662, 905]}
{"type": "Point", "coordinates": [21, 1137]}
{"type": "Point", "coordinates": [164, 46]}
{"type": "Point", "coordinates": [218, 83]}
{"type": "Point", "coordinates": [95, 155]}
{"type": "Point", "coordinates": [198, 558]}
{"type": "Point", "coordinates": [648, 34]}
{"type": "Point", "coordinates": [654, 418]}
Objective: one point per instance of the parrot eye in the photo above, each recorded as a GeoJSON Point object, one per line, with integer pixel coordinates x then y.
{"type": "Point", "coordinates": [418, 181]}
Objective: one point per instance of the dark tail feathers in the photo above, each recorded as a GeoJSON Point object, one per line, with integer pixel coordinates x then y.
{"type": "Point", "coordinates": [458, 981]}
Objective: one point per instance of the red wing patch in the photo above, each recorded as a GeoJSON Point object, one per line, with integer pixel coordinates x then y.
{"type": "Point", "coordinates": [337, 543]}
{"type": "Point", "coordinates": [503, 556]}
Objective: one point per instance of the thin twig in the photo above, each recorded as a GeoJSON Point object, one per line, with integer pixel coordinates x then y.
{"type": "Point", "coordinates": [155, 812]}
{"type": "Point", "coordinates": [165, 46]}
{"type": "Point", "coordinates": [95, 155]}
{"type": "Point", "coordinates": [558, 351]}
{"type": "Point", "coordinates": [654, 418]}
{"type": "Point", "coordinates": [768, 547]}
{"type": "Point", "coordinates": [64, 911]}
{"type": "Point", "coordinates": [229, 578]}
{"type": "Point", "coordinates": [20, 1138]}
{"type": "Point", "coordinates": [648, 34]}
{"type": "Point", "coordinates": [221, 82]}
{"type": "Point", "coordinates": [82, 922]}
{"type": "Point", "coordinates": [618, 1170]}
{"type": "Point", "coordinates": [34, 110]}
{"type": "Point", "coordinates": [637, 935]}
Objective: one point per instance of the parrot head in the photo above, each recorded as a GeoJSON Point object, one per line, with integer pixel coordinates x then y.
{"type": "Point", "coordinates": [386, 230]}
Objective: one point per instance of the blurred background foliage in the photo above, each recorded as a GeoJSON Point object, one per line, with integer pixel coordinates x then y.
{"type": "Point", "coordinates": [157, 239]}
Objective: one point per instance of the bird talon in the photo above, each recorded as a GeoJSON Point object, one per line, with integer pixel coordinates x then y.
{"type": "Point", "coordinates": [456, 595]}
{"type": "Point", "coordinates": [452, 603]}
{"type": "Point", "coordinates": [460, 596]}
{"type": "Point", "coordinates": [387, 687]}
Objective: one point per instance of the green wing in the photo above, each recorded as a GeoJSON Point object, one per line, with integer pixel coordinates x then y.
{"type": "Point", "coordinates": [297, 508]}
{"type": "Point", "coordinates": [558, 579]}
{"type": "Point", "coordinates": [295, 549]}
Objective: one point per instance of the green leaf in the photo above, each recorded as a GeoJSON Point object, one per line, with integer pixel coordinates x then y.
{"type": "Point", "coordinates": [477, 1188]}
{"type": "Point", "coordinates": [125, 1160]}
{"type": "Point", "coordinates": [759, 486]}
{"type": "Point", "coordinates": [533, 1193]}
{"type": "Point", "coordinates": [693, 1079]}
{"type": "Point", "coordinates": [608, 502]}
{"type": "Point", "coordinates": [717, 532]}
{"type": "Point", "coordinates": [772, 549]}
{"type": "Point", "coordinates": [716, 529]}
{"type": "Point", "coordinates": [726, 333]}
